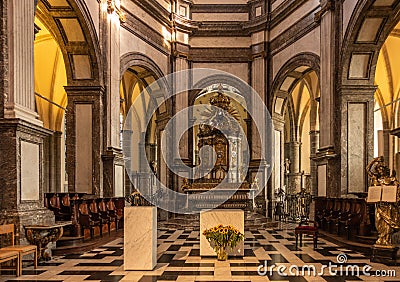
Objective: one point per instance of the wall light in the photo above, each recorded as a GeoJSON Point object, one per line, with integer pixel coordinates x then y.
{"type": "Point", "coordinates": [113, 8]}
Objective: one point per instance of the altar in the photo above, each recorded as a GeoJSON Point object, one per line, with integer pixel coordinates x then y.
{"type": "Point", "coordinates": [220, 179]}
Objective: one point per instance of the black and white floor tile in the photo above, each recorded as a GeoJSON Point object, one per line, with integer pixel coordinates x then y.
{"type": "Point", "coordinates": [179, 260]}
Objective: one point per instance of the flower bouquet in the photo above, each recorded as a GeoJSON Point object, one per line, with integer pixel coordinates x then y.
{"type": "Point", "coordinates": [221, 237]}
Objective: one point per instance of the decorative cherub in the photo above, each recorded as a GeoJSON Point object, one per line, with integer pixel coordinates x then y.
{"type": "Point", "coordinates": [185, 185]}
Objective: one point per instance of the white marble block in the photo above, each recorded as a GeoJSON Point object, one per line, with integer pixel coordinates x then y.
{"type": "Point", "coordinates": [209, 219]}
{"type": "Point", "coordinates": [140, 238]}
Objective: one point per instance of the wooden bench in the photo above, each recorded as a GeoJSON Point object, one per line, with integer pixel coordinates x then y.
{"type": "Point", "coordinates": [22, 250]}
{"type": "Point", "coordinates": [9, 256]}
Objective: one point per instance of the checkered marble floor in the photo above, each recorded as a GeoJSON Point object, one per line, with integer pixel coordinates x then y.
{"type": "Point", "coordinates": [179, 260]}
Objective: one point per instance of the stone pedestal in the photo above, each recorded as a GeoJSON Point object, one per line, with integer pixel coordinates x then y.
{"type": "Point", "coordinates": [22, 174]}
{"type": "Point", "coordinates": [140, 238]}
{"type": "Point", "coordinates": [212, 218]}
{"type": "Point", "coordinates": [385, 255]}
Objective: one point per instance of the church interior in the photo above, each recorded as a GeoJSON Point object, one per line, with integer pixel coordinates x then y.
{"type": "Point", "coordinates": [199, 140]}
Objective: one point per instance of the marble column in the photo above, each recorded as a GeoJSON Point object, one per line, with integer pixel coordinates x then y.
{"type": "Point", "coordinates": [180, 62]}
{"type": "Point", "coordinates": [314, 143]}
{"type": "Point", "coordinates": [258, 74]}
{"type": "Point", "coordinates": [327, 156]}
{"type": "Point", "coordinates": [295, 174]}
{"type": "Point", "coordinates": [19, 100]}
{"type": "Point", "coordinates": [110, 25]}
{"type": "Point", "coordinates": [84, 139]}
{"type": "Point", "coordinates": [22, 136]}
{"type": "Point", "coordinates": [113, 173]}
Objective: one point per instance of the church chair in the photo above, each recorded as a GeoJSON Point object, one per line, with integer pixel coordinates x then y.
{"type": "Point", "coordinates": [326, 213]}
{"type": "Point", "coordinates": [320, 205]}
{"type": "Point", "coordinates": [113, 212]}
{"type": "Point", "coordinates": [65, 211]}
{"type": "Point", "coordinates": [352, 224]}
{"type": "Point", "coordinates": [305, 228]}
{"type": "Point", "coordinates": [344, 216]}
{"type": "Point", "coordinates": [334, 214]}
{"type": "Point", "coordinates": [105, 215]}
{"type": "Point", "coordinates": [119, 204]}
{"type": "Point", "coordinates": [23, 250]}
{"type": "Point", "coordinates": [87, 220]}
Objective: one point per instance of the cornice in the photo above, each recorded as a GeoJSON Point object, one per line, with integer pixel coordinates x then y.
{"type": "Point", "coordinates": [142, 30]}
{"type": "Point", "coordinates": [184, 24]}
{"type": "Point", "coordinates": [156, 10]}
{"type": "Point", "coordinates": [232, 55]}
{"type": "Point", "coordinates": [220, 8]}
{"type": "Point", "coordinates": [230, 29]}
{"type": "Point", "coordinates": [257, 24]}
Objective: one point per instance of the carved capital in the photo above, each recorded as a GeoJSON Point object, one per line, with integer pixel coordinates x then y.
{"type": "Point", "coordinates": [326, 6]}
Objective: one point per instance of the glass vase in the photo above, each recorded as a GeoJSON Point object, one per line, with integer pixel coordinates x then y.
{"type": "Point", "coordinates": [222, 254]}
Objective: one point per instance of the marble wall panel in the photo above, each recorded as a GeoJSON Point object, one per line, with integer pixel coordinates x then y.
{"type": "Point", "coordinates": [119, 181]}
{"type": "Point", "coordinates": [83, 143]}
{"type": "Point", "coordinates": [82, 67]}
{"type": "Point", "coordinates": [356, 147]}
{"type": "Point", "coordinates": [72, 29]}
{"type": "Point", "coordinates": [322, 170]}
{"type": "Point", "coordinates": [30, 171]}
{"type": "Point", "coordinates": [359, 66]}
{"type": "Point", "coordinates": [369, 30]}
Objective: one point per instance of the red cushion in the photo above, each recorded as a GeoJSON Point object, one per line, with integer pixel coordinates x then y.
{"type": "Point", "coordinates": [306, 227]}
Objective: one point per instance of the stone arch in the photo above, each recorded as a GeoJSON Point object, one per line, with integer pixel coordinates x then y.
{"type": "Point", "coordinates": [132, 59]}
{"type": "Point", "coordinates": [141, 67]}
{"type": "Point", "coordinates": [310, 60]}
{"type": "Point", "coordinates": [138, 59]}
{"type": "Point", "coordinates": [369, 26]}
{"type": "Point", "coordinates": [244, 89]}
{"type": "Point", "coordinates": [73, 29]}
{"type": "Point", "coordinates": [288, 120]}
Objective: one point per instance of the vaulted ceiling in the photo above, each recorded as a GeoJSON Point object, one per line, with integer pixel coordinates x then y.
{"type": "Point", "coordinates": [388, 79]}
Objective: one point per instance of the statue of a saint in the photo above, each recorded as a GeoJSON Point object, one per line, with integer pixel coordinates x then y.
{"type": "Point", "coordinates": [387, 215]}
{"type": "Point", "coordinates": [287, 166]}
{"type": "Point", "coordinates": [254, 184]}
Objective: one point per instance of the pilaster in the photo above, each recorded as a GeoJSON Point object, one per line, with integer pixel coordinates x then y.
{"type": "Point", "coordinates": [357, 136]}
{"type": "Point", "coordinates": [84, 139]}
{"type": "Point", "coordinates": [19, 99]}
